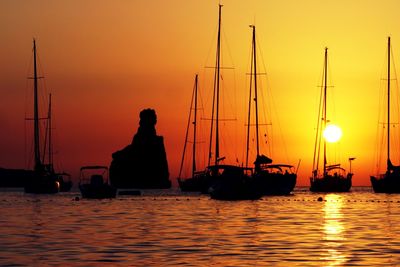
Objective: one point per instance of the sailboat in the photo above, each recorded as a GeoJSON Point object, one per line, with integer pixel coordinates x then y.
{"type": "Point", "coordinates": [333, 178]}
{"type": "Point", "coordinates": [63, 178]}
{"type": "Point", "coordinates": [388, 182]}
{"type": "Point", "coordinates": [227, 182]}
{"type": "Point", "coordinates": [19, 177]}
{"type": "Point", "coordinates": [197, 180]}
{"type": "Point", "coordinates": [272, 179]}
{"type": "Point", "coordinates": [44, 180]}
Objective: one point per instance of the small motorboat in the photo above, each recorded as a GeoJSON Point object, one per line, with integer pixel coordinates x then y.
{"type": "Point", "coordinates": [94, 183]}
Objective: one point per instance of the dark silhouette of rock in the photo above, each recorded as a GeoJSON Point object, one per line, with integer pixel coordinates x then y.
{"type": "Point", "coordinates": [143, 163]}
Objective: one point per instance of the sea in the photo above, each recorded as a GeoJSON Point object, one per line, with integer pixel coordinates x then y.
{"type": "Point", "coordinates": [170, 228]}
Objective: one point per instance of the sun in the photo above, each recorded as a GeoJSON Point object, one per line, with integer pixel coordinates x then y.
{"type": "Point", "coordinates": [332, 133]}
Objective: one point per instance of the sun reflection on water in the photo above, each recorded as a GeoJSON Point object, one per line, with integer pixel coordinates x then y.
{"type": "Point", "coordinates": [333, 229]}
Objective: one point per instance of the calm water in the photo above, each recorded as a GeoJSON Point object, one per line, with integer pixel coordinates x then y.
{"type": "Point", "coordinates": [166, 228]}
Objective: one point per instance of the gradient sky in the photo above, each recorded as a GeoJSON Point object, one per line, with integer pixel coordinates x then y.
{"type": "Point", "coordinates": [104, 61]}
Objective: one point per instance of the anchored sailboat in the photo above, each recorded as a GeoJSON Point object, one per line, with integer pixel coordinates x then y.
{"type": "Point", "coordinates": [197, 181]}
{"type": "Point", "coordinates": [272, 179]}
{"type": "Point", "coordinates": [388, 182]}
{"type": "Point", "coordinates": [44, 180]}
{"type": "Point", "coordinates": [227, 182]}
{"type": "Point", "coordinates": [333, 178]}
{"type": "Point", "coordinates": [63, 178]}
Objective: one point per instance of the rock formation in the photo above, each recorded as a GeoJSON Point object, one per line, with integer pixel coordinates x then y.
{"type": "Point", "coordinates": [143, 163]}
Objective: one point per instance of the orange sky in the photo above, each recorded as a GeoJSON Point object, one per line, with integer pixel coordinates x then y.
{"type": "Point", "coordinates": [104, 61]}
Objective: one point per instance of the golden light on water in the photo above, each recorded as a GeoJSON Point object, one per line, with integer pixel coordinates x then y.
{"type": "Point", "coordinates": [333, 229]}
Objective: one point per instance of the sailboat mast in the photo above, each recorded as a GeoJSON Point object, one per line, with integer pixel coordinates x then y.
{"type": "Point", "coordinates": [388, 106]}
{"type": "Point", "coordinates": [324, 111]}
{"type": "Point", "coordinates": [217, 87]}
{"type": "Point", "coordinates": [38, 162]}
{"type": "Point", "coordinates": [255, 87]}
{"type": "Point", "coordinates": [249, 111]}
{"type": "Point", "coordinates": [194, 126]}
{"type": "Point", "coordinates": [253, 75]}
{"type": "Point", "coordinates": [215, 101]}
{"type": "Point", "coordinates": [50, 141]}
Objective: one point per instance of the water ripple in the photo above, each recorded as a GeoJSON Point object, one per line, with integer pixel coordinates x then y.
{"type": "Point", "coordinates": [165, 228]}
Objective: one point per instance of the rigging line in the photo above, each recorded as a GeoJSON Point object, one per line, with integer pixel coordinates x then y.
{"type": "Point", "coordinates": [28, 95]}
{"type": "Point", "coordinates": [28, 155]}
{"type": "Point", "coordinates": [249, 108]}
{"type": "Point", "coordinates": [187, 130]}
{"type": "Point", "coordinates": [331, 93]}
{"type": "Point", "coordinates": [215, 93]}
{"type": "Point", "coordinates": [30, 159]}
{"type": "Point", "coordinates": [259, 50]}
{"type": "Point", "coordinates": [259, 124]}
{"type": "Point", "coordinates": [46, 132]}
{"type": "Point", "coordinates": [235, 114]}
{"type": "Point", "coordinates": [243, 131]}
{"type": "Point", "coordinates": [54, 136]}
{"type": "Point", "coordinates": [42, 94]}
{"type": "Point", "coordinates": [381, 153]}
{"type": "Point", "coordinates": [221, 68]}
{"type": "Point", "coordinates": [207, 119]}
{"type": "Point", "coordinates": [380, 133]}
{"type": "Point", "coordinates": [265, 94]}
{"type": "Point", "coordinates": [395, 78]}
{"type": "Point", "coordinates": [271, 109]}
{"type": "Point", "coordinates": [268, 112]}
{"type": "Point", "coordinates": [317, 145]}
{"type": "Point", "coordinates": [211, 46]}
{"type": "Point", "coordinates": [228, 47]}
{"type": "Point", "coordinates": [25, 146]}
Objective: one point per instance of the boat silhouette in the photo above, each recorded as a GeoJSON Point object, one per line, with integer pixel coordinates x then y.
{"type": "Point", "coordinates": [388, 182]}
{"type": "Point", "coordinates": [65, 181]}
{"type": "Point", "coordinates": [44, 179]}
{"type": "Point", "coordinates": [94, 183]}
{"type": "Point", "coordinates": [272, 179]}
{"type": "Point", "coordinates": [198, 181]}
{"type": "Point", "coordinates": [63, 178]}
{"type": "Point", "coordinates": [226, 182]}
{"type": "Point", "coordinates": [333, 177]}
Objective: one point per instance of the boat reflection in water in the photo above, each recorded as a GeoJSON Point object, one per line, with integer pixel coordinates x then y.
{"type": "Point", "coordinates": [333, 230]}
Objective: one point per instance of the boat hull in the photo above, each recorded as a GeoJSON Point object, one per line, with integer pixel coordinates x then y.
{"type": "Point", "coordinates": [97, 191]}
{"type": "Point", "coordinates": [132, 192]}
{"type": "Point", "coordinates": [331, 183]}
{"type": "Point", "coordinates": [387, 183]}
{"type": "Point", "coordinates": [191, 185]}
{"type": "Point", "coordinates": [42, 184]}
{"type": "Point", "coordinates": [233, 183]}
{"type": "Point", "coordinates": [15, 177]}
{"type": "Point", "coordinates": [276, 183]}
{"type": "Point", "coordinates": [235, 190]}
{"type": "Point", "coordinates": [65, 186]}
{"type": "Point", "coordinates": [199, 183]}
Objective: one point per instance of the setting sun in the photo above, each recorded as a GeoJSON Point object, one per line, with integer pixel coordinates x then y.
{"type": "Point", "coordinates": [332, 133]}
